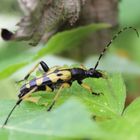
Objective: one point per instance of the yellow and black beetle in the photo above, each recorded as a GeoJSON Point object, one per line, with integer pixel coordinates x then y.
{"type": "Point", "coordinates": [59, 78]}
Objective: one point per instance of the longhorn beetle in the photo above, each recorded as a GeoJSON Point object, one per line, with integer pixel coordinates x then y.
{"type": "Point", "coordinates": [60, 77]}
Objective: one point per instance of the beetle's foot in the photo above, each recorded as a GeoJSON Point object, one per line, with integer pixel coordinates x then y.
{"type": "Point", "coordinates": [94, 117]}
{"type": "Point", "coordinates": [97, 94]}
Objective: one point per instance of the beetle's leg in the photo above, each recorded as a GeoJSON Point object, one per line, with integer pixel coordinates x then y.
{"type": "Point", "coordinates": [17, 103]}
{"type": "Point", "coordinates": [32, 99]}
{"type": "Point", "coordinates": [87, 87]}
{"type": "Point", "coordinates": [49, 89]}
{"type": "Point", "coordinates": [36, 99]}
{"type": "Point", "coordinates": [43, 65]}
{"type": "Point", "coordinates": [64, 85]}
{"type": "Point", "coordinates": [27, 97]}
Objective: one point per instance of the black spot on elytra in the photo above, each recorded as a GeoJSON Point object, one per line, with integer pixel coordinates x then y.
{"type": "Point", "coordinates": [59, 74]}
{"type": "Point", "coordinates": [42, 88]}
{"type": "Point", "coordinates": [60, 81]}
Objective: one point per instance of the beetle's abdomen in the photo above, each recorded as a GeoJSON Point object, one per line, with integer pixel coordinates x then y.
{"type": "Point", "coordinates": [41, 81]}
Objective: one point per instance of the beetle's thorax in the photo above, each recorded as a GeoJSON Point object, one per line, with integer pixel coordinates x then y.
{"type": "Point", "coordinates": [78, 74]}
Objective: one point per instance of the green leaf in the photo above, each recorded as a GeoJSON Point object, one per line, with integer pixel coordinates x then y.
{"type": "Point", "coordinates": [13, 53]}
{"type": "Point", "coordinates": [13, 56]}
{"type": "Point", "coordinates": [127, 126]}
{"type": "Point", "coordinates": [65, 122]}
{"type": "Point", "coordinates": [68, 119]}
{"type": "Point", "coordinates": [69, 39]}
{"type": "Point", "coordinates": [132, 111]}
{"type": "Point", "coordinates": [11, 69]}
{"type": "Point", "coordinates": [109, 104]}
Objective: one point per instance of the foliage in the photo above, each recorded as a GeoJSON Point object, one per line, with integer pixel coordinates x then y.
{"type": "Point", "coordinates": [126, 127]}
{"type": "Point", "coordinates": [77, 114]}
{"type": "Point", "coordinates": [74, 109]}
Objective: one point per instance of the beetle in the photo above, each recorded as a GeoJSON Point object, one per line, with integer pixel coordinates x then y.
{"type": "Point", "coordinates": [60, 77]}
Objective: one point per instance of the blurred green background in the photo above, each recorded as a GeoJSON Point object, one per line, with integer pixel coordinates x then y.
{"type": "Point", "coordinates": [16, 58]}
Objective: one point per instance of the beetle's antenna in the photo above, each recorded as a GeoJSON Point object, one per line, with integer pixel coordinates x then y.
{"type": "Point", "coordinates": [114, 37]}
{"type": "Point", "coordinates": [17, 103]}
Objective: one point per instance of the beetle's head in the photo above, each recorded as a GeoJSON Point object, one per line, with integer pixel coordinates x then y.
{"type": "Point", "coordinates": [96, 73]}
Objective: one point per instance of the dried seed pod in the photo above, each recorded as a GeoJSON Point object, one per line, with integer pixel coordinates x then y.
{"type": "Point", "coordinates": [44, 18]}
